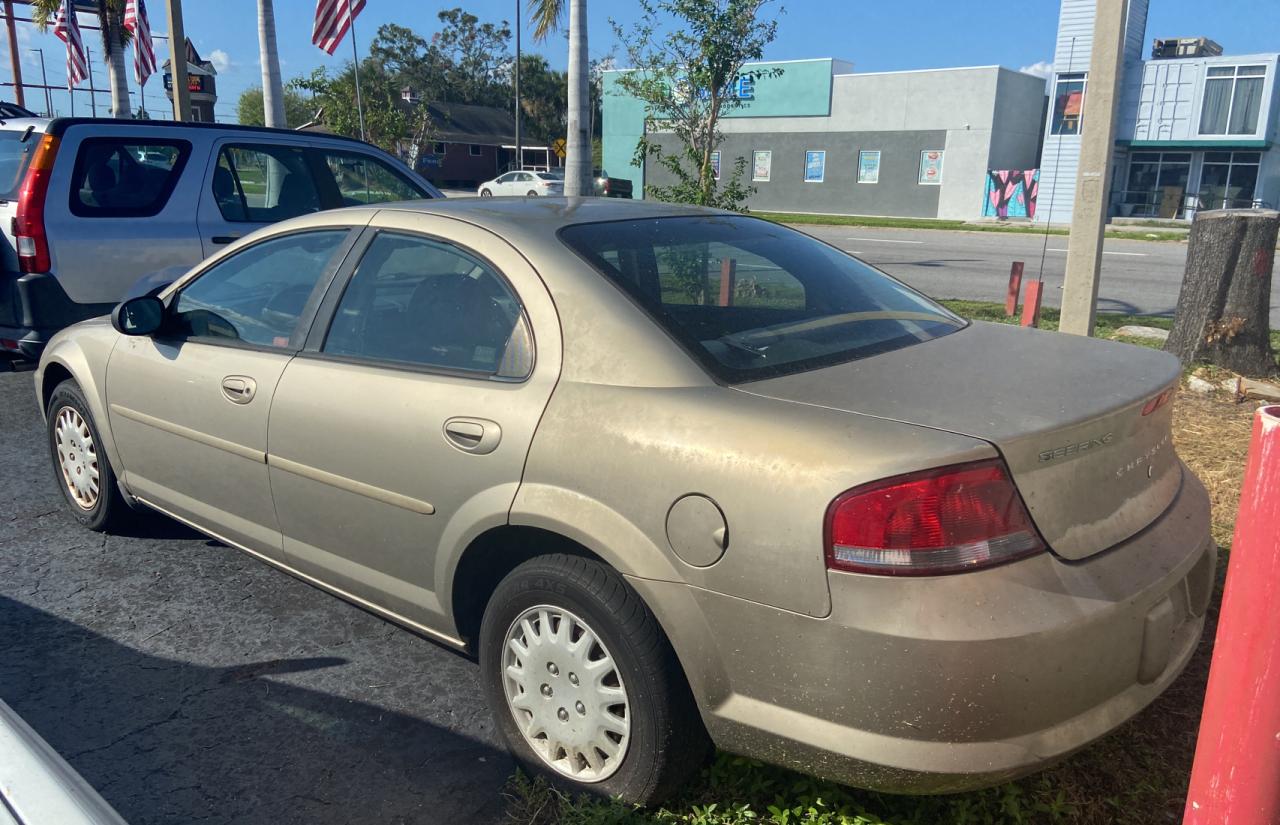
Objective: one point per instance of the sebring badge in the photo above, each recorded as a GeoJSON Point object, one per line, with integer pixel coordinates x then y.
{"type": "Point", "coordinates": [1076, 448]}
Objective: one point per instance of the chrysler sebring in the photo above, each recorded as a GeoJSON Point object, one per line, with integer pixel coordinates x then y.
{"type": "Point", "coordinates": [676, 477]}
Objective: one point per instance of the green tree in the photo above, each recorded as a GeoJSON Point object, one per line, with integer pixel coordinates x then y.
{"type": "Point", "coordinates": [543, 94]}
{"type": "Point", "coordinates": [389, 121]}
{"type": "Point", "coordinates": [478, 58]}
{"type": "Point", "coordinates": [548, 16]}
{"type": "Point", "coordinates": [114, 40]}
{"type": "Point", "coordinates": [298, 108]}
{"type": "Point", "coordinates": [685, 74]}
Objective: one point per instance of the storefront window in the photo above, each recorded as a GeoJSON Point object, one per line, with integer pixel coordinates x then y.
{"type": "Point", "coordinates": [1232, 100]}
{"type": "Point", "coordinates": [1068, 104]}
{"type": "Point", "coordinates": [1157, 184]}
{"type": "Point", "coordinates": [1229, 180]}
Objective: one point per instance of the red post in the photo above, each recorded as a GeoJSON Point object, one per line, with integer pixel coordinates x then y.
{"type": "Point", "coordinates": [1031, 305]}
{"type": "Point", "coordinates": [1236, 776]}
{"type": "Point", "coordinates": [728, 279]}
{"type": "Point", "coordinates": [1015, 288]}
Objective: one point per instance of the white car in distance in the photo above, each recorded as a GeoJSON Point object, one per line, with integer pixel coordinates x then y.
{"type": "Point", "coordinates": [523, 182]}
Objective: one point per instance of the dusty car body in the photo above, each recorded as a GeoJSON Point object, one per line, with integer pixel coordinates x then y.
{"type": "Point", "coordinates": [690, 508]}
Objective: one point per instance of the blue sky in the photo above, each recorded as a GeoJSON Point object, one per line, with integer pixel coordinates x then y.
{"type": "Point", "coordinates": [876, 36]}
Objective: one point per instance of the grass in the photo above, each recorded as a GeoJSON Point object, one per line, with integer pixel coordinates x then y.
{"type": "Point", "coordinates": [959, 226]}
{"type": "Point", "coordinates": [1135, 776]}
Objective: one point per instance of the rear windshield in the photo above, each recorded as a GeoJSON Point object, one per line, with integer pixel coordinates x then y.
{"type": "Point", "coordinates": [751, 299]}
{"type": "Point", "coordinates": [15, 155]}
{"type": "Point", "coordinates": [551, 175]}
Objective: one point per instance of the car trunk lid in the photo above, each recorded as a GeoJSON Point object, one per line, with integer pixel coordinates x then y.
{"type": "Point", "coordinates": [1066, 413]}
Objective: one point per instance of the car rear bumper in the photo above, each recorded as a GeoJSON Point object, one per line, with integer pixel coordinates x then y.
{"type": "Point", "coordinates": [33, 307]}
{"type": "Point", "coordinates": [944, 684]}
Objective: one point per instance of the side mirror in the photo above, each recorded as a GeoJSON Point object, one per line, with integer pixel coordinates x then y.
{"type": "Point", "coordinates": [138, 316]}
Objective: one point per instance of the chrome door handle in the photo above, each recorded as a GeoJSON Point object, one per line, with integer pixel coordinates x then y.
{"type": "Point", "coordinates": [239, 389]}
{"type": "Point", "coordinates": [473, 435]}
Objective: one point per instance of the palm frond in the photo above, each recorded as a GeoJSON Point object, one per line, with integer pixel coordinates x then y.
{"type": "Point", "coordinates": [547, 17]}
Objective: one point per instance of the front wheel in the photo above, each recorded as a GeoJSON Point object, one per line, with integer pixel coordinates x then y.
{"type": "Point", "coordinates": [84, 474]}
{"type": "Point", "coordinates": [584, 684]}
{"type": "Point", "coordinates": [485, 193]}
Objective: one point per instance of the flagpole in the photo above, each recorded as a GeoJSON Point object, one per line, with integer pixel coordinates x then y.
{"type": "Point", "coordinates": [93, 94]}
{"type": "Point", "coordinates": [355, 56]}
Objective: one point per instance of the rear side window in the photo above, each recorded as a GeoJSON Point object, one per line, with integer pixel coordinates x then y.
{"type": "Point", "coordinates": [362, 179]}
{"type": "Point", "coordinates": [264, 183]}
{"type": "Point", "coordinates": [126, 177]}
{"type": "Point", "coordinates": [15, 156]}
{"type": "Point", "coordinates": [751, 299]}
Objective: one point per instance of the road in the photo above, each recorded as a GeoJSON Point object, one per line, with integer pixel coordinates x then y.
{"type": "Point", "coordinates": [190, 683]}
{"type": "Point", "coordinates": [1137, 276]}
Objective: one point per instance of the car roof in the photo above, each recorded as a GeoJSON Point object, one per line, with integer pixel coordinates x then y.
{"type": "Point", "coordinates": [21, 124]}
{"type": "Point", "coordinates": [538, 216]}
{"type": "Point", "coordinates": [58, 126]}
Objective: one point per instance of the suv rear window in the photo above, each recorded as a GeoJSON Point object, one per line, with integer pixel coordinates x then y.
{"type": "Point", "coordinates": [750, 299]}
{"type": "Point", "coordinates": [125, 177]}
{"type": "Point", "coordinates": [15, 156]}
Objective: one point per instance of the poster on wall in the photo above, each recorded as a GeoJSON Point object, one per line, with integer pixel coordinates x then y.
{"type": "Point", "coordinates": [761, 164]}
{"type": "Point", "coordinates": [815, 166]}
{"type": "Point", "coordinates": [869, 167]}
{"type": "Point", "coordinates": [715, 165]}
{"type": "Point", "coordinates": [931, 166]}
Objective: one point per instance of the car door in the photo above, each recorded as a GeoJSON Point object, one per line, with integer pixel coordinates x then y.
{"type": "Point", "coordinates": [251, 184]}
{"type": "Point", "coordinates": [188, 407]}
{"type": "Point", "coordinates": [400, 432]}
{"type": "Point", "coordinates": [502, 183]}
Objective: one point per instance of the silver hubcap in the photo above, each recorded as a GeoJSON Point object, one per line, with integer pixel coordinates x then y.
{"type": "Point", "coordinates": [566, 693]}
{"type": "Point", "coordinates": [77, 457]}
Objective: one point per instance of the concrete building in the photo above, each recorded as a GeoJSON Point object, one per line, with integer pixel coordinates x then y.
{"type": "Point", "coordinates": [1196, 129]}
{"type": "Point", "coordinates": [820, 138]}
{"type": "Point", "coordinates": [202, 85]}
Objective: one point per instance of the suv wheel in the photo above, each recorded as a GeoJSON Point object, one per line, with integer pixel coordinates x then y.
{"type": "Point", "coordinates": [584, 684]}
{"type": "Point", "coordinates": [83, 472]}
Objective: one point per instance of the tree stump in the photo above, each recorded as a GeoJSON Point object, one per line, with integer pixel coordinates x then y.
{"type": "Point", "coordinates": [1224, 306]}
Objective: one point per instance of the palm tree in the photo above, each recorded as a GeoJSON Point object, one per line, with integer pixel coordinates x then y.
{"type": "Point", "coordinates": [114, 40]}
{"type": "Point", "coordinates": [272, 89]}
{"type": "Point", "coordinates": [548, 16]}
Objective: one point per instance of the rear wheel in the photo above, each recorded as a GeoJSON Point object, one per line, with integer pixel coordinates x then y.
{"type": "Point", "coordinates": [584, 684]}
{"type": "Point", "coordinates": [532, 193]}
{"type": "Point", "coordinates": [84, 474]}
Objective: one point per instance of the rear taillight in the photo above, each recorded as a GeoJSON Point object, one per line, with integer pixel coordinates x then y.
{"type": "Point", "coordinates": [28, 223]}
{"type": "Point", "coordinates": [1158, 402]}
{"type": "Point", "coordinates": [947, 520]}
{"type": "Point", "coordinates": [605, 187]}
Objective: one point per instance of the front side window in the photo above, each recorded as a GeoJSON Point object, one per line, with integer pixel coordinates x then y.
{"type": "Point", "coordinates": [362, 179]}
{"type": "Point", "coordinates": [1232, 100]}
{"type": "Point", "coordinates": [264, 184]}
{"type": "Point", "coordinates": [426, 303]}
{"type": "Point", "coordinates": [751, 299]}
{"type": "Point", "coordinates": [1068, 105]}
{"type": "Point", "coordinates": [256, 296]}
{"type": "Point", "coordinates": [126, 177]}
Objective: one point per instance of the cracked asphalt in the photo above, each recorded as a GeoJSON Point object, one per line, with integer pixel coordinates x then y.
{"type": "Point", "coordinates": [188, 682]}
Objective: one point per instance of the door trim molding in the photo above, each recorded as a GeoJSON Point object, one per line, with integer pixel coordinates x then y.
{"type": "Point", "coordinates": [306, 471]}
{"type": "Point", "coordinates": [206, 439]}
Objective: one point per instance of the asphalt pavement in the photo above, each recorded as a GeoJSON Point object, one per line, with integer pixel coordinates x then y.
{"type": "Point", "coordinates": [190, 683]}
{"type": "Point", "coordinates": [1137, 276]}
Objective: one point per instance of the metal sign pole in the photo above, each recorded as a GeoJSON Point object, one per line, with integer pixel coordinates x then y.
{"type": "Point", "coordinates": [14, 58]}
{"type": "Point", "coordinates": [519, 149]}
{"type": "Point", "coordinates": [178, 63]}
{"type": "Point", "coordinates": [93, 96]}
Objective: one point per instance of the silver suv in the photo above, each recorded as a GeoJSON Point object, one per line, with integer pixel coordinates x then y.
{"type": "Point", "coordinates": [89, 205]}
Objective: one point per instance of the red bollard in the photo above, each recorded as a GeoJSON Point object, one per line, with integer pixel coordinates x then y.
{"type": "Point", "coordinates": [1236, 776]}
{"type": "Point", "coordinates": [1015, 287]}
{"type": "Point", "coordinates": [1031, 305]}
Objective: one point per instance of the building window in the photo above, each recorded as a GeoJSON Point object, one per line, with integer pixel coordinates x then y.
{"type": "Point", "coordinates": [715, 165]}
{"type": "Point", "coordinates": [761, 164]}
{"type": "Point", "coordinates": [1232, 100]}
{"type": "Point", "coordinates": [930, 167]}
{"type": "Point", "coordinates": [1068, 104]}
{"type": "Point", "coordinates": [1229, 180]}
{"type": "Point", "coordinates": [476, 150]}
{"type": "Point", "coordinates": [1157, 184]}
{"type": "Point", "coordinates": [815, 166]}
{"type": "Point", "coordinates": [440, 148]}
{"type": "Point", "coordinates": [195, 114]}
{"type": "Point", "coordinates": [869, 167]}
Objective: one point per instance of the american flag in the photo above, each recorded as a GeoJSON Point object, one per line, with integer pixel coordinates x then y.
{"type": "Point", "coordinates": [144, 53]}
{"type": "Point", "coordinates": [67, 29]}
{"type": "Point", "coordinates": [333, 18]}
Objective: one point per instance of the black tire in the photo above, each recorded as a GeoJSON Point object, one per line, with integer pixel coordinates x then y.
{"type": "Point", "coordinates": [485, 193]}
{"type": "Point", "coordinates": [531, 193]}
{"type": "Point", "coordinates": [109, 509]}
{"type": "Point", "coordinates": [667, 743]}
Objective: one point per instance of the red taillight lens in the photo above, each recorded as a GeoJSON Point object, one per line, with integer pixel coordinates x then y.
{"type": "Point", "coordinates": [947, 520]}
{"type": "Point", "coordinates": [1157, 402]}
{"type": "Point", "coordinates": [28, 221]}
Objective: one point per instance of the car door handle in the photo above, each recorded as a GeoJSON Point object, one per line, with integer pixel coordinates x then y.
{"type": "Point", "coordinates": [224, 239]}
{"type": "Point", "coordinates": [239, 389]}
{"type": "Point", "coordinates": [478, 436]}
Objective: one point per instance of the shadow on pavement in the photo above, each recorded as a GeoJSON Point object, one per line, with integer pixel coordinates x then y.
{"type": "Point", "coordinates": [167, 741]}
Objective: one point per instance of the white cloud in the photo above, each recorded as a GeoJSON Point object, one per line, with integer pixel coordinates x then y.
{"type": "Point", "coordinates": [221, 60]}
{"type": "Point", "coordinates": [1042, 69]}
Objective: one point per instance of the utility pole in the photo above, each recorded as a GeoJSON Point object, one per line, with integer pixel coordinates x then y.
{"type": "Point", "coordinates": [93, 93]}
{"type": "Point", "coordinates": [15, 60]}
{"type": "Point", "coordinates": [1097, 140]}
{"type": "Point", "coordinates": [519, 150]}
{"type": "Point", "coordinates": [178, 62]}
{"type": "Point", "coordinates": [44, 78]}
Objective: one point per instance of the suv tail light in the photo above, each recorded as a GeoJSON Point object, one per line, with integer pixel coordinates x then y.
{"type": "Point", "coordinates": [28, 222]}
{"type": "Point", "coordinates": [946, 520]}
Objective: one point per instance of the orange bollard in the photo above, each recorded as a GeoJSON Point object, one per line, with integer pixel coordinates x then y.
{"type": "Point", "coordinates": [1015, 287]}
{"type": "Point", "coordinates": [1031, 305]}
{"type": "Point", "coordinates": [1236, 776]}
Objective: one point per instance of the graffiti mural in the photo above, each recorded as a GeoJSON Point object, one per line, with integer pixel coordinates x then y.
{"type": "Point", "coordinates": [1011, 193]}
